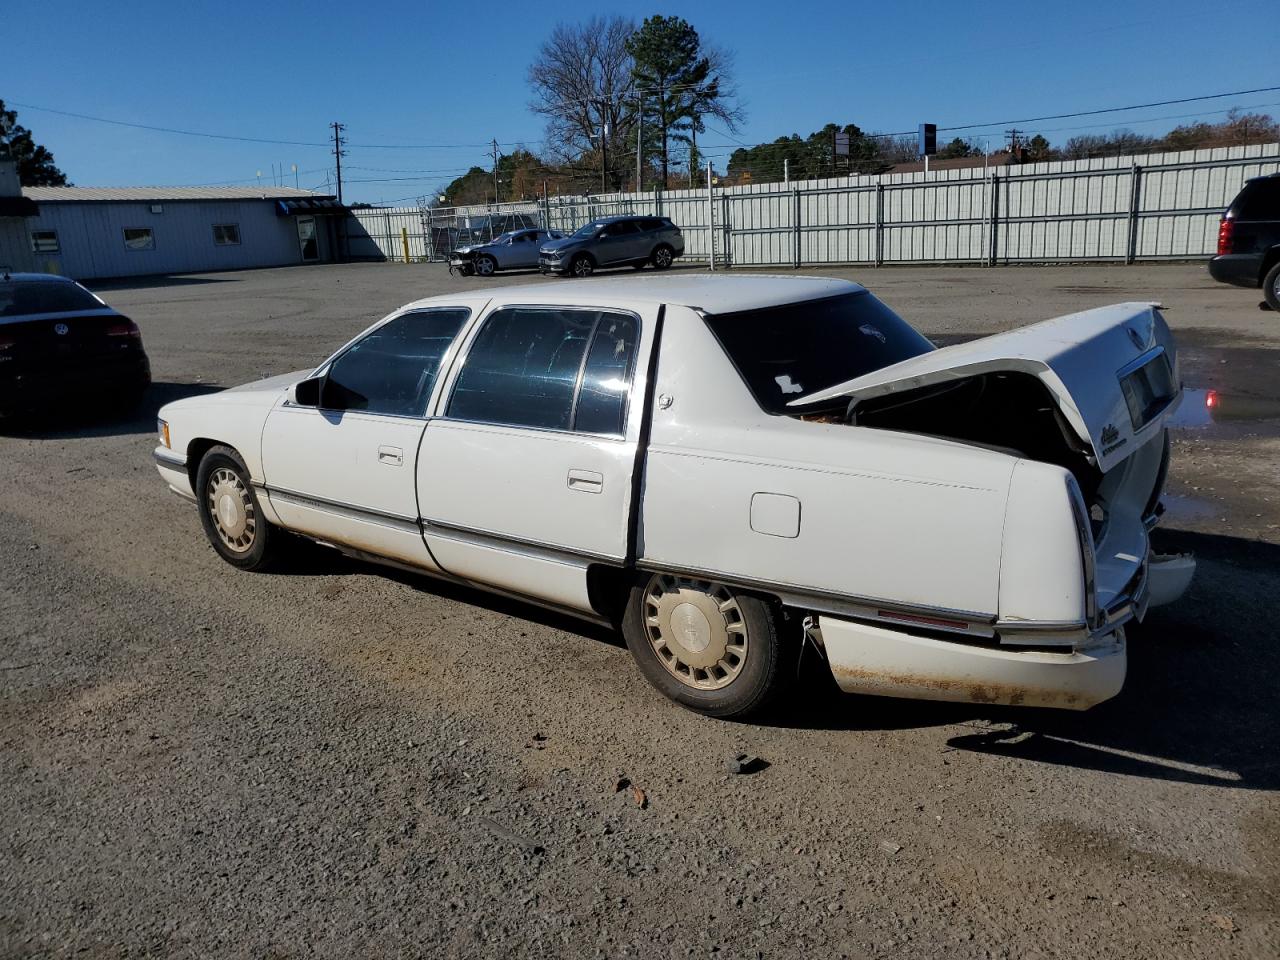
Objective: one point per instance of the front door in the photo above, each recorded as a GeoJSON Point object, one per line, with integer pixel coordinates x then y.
{"type": "Point", "coordinates": [618, 243]}
{"type": "Point", "coordinates": [526, 477]}
{"type": "Point", "coordinates": [343, 471]}
{"type": "Point", "coordinates": [307, 241]}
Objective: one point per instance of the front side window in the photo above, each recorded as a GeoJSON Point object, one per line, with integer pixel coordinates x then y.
{"type": "Point", "coordinates": [526, 369]}
{"type": "Point", "coordinates": [393, 369]}
{"type": "Point", "coordinates": [139, 238]}
{"type": "Point", "coordinates": [786, 352]}
{"type": "Point", "coordinates": [44, 241]}
{"type": "Point", "coordinates": [226, 234]}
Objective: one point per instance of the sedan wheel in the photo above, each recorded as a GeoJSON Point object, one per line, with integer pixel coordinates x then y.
{"type": "Point", "coordinates": [229, 511]}
{"type": "Point", "coordinates": [486, 266]}
{"type": "Point", "coordinates": [709, 646]}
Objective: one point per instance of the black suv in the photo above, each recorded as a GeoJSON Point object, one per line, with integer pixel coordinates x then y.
{"type": "Point", "coordinates": [1249, 239]}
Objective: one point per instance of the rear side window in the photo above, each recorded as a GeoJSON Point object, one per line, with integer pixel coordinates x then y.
{"type": "Point", "coordinates": [786, 352]}
{"type": "Point", "coordinates": [393, 368]}
{"type": "Point", "coordinates": [548, 368]}
{"type": "Point", "coordinates": [623, 228]}
{"type": "Point", "coordinates": [1259, 200]}
{"type": "Point", "coordinates": [44, 296]}
{"type": "Point", "coordinates": [652, 225]}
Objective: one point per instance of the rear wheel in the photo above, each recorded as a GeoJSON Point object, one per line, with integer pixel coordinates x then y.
{"type": "Point", "coordinates": [708, 646]}
{"type": "Point", "coordinates": [582, 266]}
{"type": "Point", "coordinates": [229, 511]}
{"type": "Point", "coordinates": [486, 266]}
{"type": "Point", "coordinates": [663, 257]}
{"type": "Point", "coordinates": [1271, 287]}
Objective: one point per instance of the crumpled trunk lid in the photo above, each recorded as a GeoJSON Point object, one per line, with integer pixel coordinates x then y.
{"type": "Point", "coordinates": [1112, 371]}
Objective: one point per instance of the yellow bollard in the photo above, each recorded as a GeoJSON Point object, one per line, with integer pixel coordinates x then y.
{"type": "Point", "coordinates": [404, 240]}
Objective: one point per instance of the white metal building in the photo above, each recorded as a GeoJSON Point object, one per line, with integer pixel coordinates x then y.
{"type": "Point", "coordinates": [100, 232]}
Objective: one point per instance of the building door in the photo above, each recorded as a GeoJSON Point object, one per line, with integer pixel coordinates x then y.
{"type": "Point", "coordinates": [307, 239]}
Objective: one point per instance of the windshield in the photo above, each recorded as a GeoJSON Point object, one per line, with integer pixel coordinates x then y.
{"type": "Point", "coordinates": [18, 298]}
{"type": "Point", "coordinates": [589, 230]}
{"type": "Point", "coordinates": [509, 235]}
{"type": "Point", "coordinates": [786, 352]}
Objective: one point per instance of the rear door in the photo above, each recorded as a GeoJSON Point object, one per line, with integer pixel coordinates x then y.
{"type": "Point", "coordinates": [525, 477]}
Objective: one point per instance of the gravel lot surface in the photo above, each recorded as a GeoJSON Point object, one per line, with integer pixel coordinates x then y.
{"type": "Point", "coordinates": [340, 761]}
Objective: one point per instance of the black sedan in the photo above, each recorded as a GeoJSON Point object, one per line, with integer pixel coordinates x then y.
{"type": "Point", "coordinates": [59, 342]}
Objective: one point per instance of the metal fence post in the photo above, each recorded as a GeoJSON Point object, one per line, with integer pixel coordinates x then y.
{"type": "Point", "coordinates": [711, 220]}
{"type": "Point", "coordinates": [795, 227]}
{"type": "Point", "coordinates": [995, 217]}
{"type": "Point", "coordinates": [879, 224]}
{"type": "Point", "coordinates": [1135, 190]}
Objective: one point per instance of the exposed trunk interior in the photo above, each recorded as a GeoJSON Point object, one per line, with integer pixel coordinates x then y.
{"type": "Point", "coordinates": [1007, 411]}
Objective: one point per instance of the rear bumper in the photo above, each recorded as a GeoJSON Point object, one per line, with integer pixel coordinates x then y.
{"type": "Point", "coordinates": [895, 663]}
{"type": "Point", "coordinates": [57, 383]}
{"type": "Point", "coordinates": [1240, 269]}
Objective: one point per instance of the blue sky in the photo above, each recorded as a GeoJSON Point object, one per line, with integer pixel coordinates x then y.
{"type": "Point", "coordinates": [454, 73]}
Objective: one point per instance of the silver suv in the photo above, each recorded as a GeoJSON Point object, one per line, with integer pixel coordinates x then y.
{"type": "Point", "coordinates": [613, 242]}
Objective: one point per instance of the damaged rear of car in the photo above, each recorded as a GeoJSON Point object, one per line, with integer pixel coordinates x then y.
{"type": "Point", "coordinates": [1077, 408]}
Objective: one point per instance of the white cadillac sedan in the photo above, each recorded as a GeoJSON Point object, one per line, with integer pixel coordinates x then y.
{"type": "Point", "coordinates": [730, 469]}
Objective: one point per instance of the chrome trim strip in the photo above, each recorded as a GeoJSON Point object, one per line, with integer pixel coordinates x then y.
{"type": "Point", "coordinates": [984, 620]}
{"type": "Point", "coordinates": [342, 509]}
{"type": "Point", "coordinates": [502, 541]}
{"type": "Point", "coordinates": [1141, 360]}
{"type": "Point", "coordinates": [185, 494]}
{"type": "Point", "coordinates": [168, 459]}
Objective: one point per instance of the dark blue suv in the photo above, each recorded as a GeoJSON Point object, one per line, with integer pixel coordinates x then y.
{"type": "Point", "coordinates": [1249, 239]}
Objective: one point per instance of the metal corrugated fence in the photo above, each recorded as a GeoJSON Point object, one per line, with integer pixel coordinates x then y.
{"type": "Point", "coordinates": [1153, 207]}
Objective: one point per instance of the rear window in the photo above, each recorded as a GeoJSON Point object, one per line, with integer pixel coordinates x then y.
{"type": "Point", "coordinates": [786, 352]}
{"type": "Point", "coordinates": [1259, 200]}
{"type": "Point", "coordinates": [39, 296]}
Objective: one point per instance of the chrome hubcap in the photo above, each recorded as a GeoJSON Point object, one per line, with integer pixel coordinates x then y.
{"type": "Point", "coordinates": [231, 508]}
{"type": "Point", "coordinates": [697, 630]}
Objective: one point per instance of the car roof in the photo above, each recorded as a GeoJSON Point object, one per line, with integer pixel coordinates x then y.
{"type": "Point", "coordinates": [709, 292]}
{"type": "Point", "coordinates": [34, 277]}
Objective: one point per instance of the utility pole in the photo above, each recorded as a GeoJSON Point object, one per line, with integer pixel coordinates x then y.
{"type": "Point", "coordinates": [1013, 141]}
{"type": "Point", "coordinates": [495, 171]}
{"type": "Point", "coordinates": [639, 140]}
{"type": "Point", "coordinates": [338, 153]}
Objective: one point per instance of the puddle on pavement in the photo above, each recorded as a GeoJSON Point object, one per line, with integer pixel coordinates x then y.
{"type": "Point", "coordinates": [1205, 408]}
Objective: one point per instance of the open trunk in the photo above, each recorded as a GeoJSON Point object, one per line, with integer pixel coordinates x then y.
{"type": "Point", "coordinates": [1089, 392]}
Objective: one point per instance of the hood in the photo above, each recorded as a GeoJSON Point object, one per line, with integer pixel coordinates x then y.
{"type": "Point", "coordinates": [563, 243]}
{"type": "Point", "coordinates": [263, 393]}
{"type": "Point", "coordinates": [1113, 372]}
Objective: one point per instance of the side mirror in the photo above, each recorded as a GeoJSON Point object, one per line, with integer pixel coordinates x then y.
{"type": "Point", "coordinates": [306, 393]}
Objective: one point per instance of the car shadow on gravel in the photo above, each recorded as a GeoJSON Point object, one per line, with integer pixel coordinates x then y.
{"type": "Point", "coordinates": [1200, 702]}
{"type": "Point", "coordinates": [83, 420]}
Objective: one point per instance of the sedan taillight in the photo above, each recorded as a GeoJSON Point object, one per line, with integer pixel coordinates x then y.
{"type": "Point", "coordinates": [1225, 229]}
{"type": "Point", "coordinates": [125, 328]}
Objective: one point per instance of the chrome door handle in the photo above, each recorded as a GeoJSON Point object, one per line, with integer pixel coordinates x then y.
{"type": "Point", "coordinates": [393, 456]}
{"type": "Point", "coordinates": [586, 481]}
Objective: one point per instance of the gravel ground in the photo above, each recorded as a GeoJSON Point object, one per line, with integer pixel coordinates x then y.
{"type": "Point", "coordinates": [339, 761]}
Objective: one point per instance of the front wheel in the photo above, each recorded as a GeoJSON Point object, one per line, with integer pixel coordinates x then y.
{"type": "Point", "coordinates": [582, 266]}
{"type": "Point", "coordinates": [663, 257]}
{"type": "Point", "coordinates": [486, 266]}
{"type": "Point", "coordinates": [1271, 288]}
{"type": "Point", "coordinates": [711, 647]}
{"type": "Point", "coordinates": [229, 511]}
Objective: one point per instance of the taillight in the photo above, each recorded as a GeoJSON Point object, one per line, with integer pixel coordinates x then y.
{"type": "Point", "coordinates": [1225, 230]}
{"type": "Point", "coordinates": [126, 328]}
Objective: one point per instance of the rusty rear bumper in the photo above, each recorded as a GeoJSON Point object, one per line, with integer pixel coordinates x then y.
{"type": "Point", "coordinates": [894, 663]}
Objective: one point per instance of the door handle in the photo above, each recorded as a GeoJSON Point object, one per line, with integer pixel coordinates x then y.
{"type": "Point", "coordinates": [392, 456]}
{"type": "Point", "coordinates": [586, 481]}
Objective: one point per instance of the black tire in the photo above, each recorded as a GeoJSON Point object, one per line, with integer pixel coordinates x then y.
{"type": "Point", "coordinates": [251, 546]}
{"type": "Point", "coordinates": [662, 257]}
{"type": "Point", "coordinates": [763, 672]}
{"type": "Point", "coordinates": [1271, 287]}
{"type": "Point", "coordinates": [485, 265]}
{"type": "Point", "coordinates": [582, 266]}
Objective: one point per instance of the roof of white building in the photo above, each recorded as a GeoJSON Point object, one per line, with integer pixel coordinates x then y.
{"type": "Point", "coordinates": [162, 194]}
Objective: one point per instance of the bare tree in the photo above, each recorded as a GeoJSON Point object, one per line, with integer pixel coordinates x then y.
{"type": "Point", "coordinates": [581, 82]}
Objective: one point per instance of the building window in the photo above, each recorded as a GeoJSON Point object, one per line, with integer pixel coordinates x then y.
{"type": "Point", "coordinates": [45, 241]}
{"type": "Point", "coordinates": [226, 234]}
{"type": "Point", "coordinates": [139, 238]}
